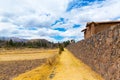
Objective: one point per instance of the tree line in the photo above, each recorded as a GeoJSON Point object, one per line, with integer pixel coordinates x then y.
{"type": "Point", "coordinates": [34, 44]}
{"type": "Point", "coordinates": [28, 44]}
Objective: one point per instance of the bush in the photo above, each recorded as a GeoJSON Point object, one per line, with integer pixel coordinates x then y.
{"type": "Point", "coordinates": [61, 48]}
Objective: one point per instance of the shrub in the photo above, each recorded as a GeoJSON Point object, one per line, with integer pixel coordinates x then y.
{"type": "Point", "coordinates": [61, 48]}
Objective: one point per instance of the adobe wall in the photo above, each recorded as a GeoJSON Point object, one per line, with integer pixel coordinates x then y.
{"type": "Point", "coordinates": [94, 29]}
{"type": "Point", "coordinates": [101, 52]}
{"type": "Point", "coordinates": [88, 33]}
{"type": "Point", "coordinates": [101, 27]}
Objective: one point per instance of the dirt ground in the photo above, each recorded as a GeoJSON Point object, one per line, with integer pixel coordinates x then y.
{"type": "Point", "coordinates": [26, 54]}
{"type": "Point", "coordinates": [11, 69]}
{"type": "Point", "coordinates": [65, 67]}
{"type": "Point", "coordinates": [16, 61]}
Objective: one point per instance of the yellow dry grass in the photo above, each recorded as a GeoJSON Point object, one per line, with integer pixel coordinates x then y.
{"type": "Point", "coordinates": [25, 54]}
{"type": "Point", "coordinates": [64, 67]}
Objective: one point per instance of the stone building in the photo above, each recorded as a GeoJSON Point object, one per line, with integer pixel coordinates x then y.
{"type": "Point", "coordinates": [95, 27]}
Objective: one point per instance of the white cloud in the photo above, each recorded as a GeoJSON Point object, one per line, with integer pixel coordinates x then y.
{"type": "Point", "coordinates": [6, 29]}
{"type": "Point", "coordinates": [41, 14]}
{"type": "Point", "coordinates": [106, 10]}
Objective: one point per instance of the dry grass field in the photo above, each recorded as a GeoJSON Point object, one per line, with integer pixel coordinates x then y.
{"type": "Point", "coordinates": [11, 69]}
{"type": "Point", "coordinates": [16, 61]}
{"type": "Point", "coordinates": [25, 54]}
{"type": "Point", "coordinates": [63, 67]}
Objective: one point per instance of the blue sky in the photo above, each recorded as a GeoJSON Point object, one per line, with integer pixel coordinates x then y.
{"type": "Point", "coordinates": [54, 20]}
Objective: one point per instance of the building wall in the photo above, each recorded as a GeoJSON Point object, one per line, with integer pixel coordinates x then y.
{"type": "Point", "coordinates": [101, 27]}
{"type": "Point", "coordinates": [101, 52]}
{"type": "Point", "coordinates": [87, 33]}
{"type": "Point", "coordinates": [92, 29]}
{"type": "Point", "coordinates": [95, 28]}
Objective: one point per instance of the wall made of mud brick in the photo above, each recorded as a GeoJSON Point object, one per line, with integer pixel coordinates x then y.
{"type": "Point", "coordinates": [101, 52]}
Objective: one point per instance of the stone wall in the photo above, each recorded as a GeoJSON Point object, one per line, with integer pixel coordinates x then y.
{"type": "Point", "coordinates": [101, 52]}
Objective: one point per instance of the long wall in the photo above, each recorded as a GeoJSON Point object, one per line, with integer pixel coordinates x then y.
{"type": "Point", "coordinates": [101, 52]}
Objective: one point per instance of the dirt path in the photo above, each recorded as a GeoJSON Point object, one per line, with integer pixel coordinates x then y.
{"type": "Point", "coordinates": [71, 68]}
{"type": "Point", "coordinates": [67, 68]}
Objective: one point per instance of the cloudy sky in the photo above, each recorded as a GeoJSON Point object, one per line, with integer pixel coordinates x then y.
{"type": "Point", "coordinates": [54, 20]}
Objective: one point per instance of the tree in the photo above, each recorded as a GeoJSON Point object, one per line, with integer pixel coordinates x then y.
{"type": "Point", "coordinates": [72, 41]}
{"type": "Point", "coordinates": [66, 43]}
{"type": "Point", "coordinates": [61, 48]}
{"type": "Point", "coordinates": [11, 42]}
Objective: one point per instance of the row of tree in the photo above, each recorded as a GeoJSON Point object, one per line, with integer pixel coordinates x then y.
{"type": "Point", "coordinates": [34, 44]}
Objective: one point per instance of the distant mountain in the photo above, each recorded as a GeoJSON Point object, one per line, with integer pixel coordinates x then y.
{"type": "Point", "coordinates": [15, 39]}
{"type": "Point", "coordinates": [32, 43]}
{"type": "Point", "coordinates": [42, 42]}
{"type": "Point", "coordinates": [39, 40]}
